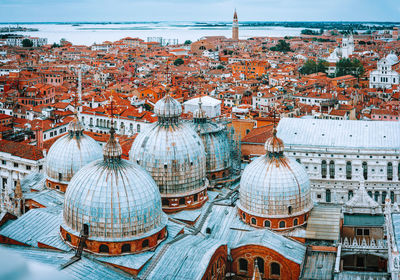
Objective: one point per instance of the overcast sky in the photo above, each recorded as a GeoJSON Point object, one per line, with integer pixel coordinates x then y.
{"type": "Point", "coordinates": [182, 10]}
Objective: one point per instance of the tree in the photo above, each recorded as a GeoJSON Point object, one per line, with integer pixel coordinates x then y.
{"type": "Point", "coordinates": [282, 46]}
{"type": "Point", "coordinates": [26, 43]}
{"type": "Point", "coordinates": [188, 42]}
{"type": "Point", "coordinates": [178, 61]}
{"type": "Point", "coordinates": [347, 66]}
{"type": "Point", "coordinates": [219, 67]}
{"type": "Point", "coordinates": [55, 45]}
{"type": "Point", "coordinates": [310, 67]}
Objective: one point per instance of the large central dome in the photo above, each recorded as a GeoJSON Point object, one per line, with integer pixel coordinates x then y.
{"type": "Point", "coordinates": [118, 201]}
{"type": "Point", "coordinates": [69, 154]}
{"type": "Point", "coordinates": [274, 190]}
{"type": "Point", "coordinates": [173, 153]}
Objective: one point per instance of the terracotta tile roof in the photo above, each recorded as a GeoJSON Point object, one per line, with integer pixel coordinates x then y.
{"type": "Point", "coordinates": [259, 134]}
{"type": "Point", "coordinates": [21, 150]}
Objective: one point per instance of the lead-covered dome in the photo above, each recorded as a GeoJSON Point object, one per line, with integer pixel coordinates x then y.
{"type": "Point", "coordinates": [118, 201]}
{"type": "Point", "coordinates": [217, 146]}
{"type": "Point", "coordinates": [69, 154]}
{"type": "Point", "coordinates": [274, 190]}
{"type": "Point", "coordinates": [173, 153]}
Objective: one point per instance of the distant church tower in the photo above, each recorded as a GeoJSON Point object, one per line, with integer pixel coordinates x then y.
{"type": "Point", "coordinates": [235, 27]}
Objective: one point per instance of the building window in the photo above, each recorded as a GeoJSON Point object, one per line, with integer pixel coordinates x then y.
{"type": "Point", "coordinates": [295, 222]}
{"type": "Point", "coordinates": [350, 195]}
{"type": "Point", "coordinates": [126, 248]}
{"type": "Point", "coordinates": [28, 167]}
{"type": "Point", "coordinates": [365, 170]}
{"type": "Point", "coordinates": [3, 162]}
{"type": "Point", "coordinates": [145, 243]}
{"type": "Point", "coordinates": [376, 196]}
{"type": "Point", "coordinates": [253, 221]}
{"type": "Point", "coordinates": [103, 248]}
{"type": "Point", "coordinates": [290, 210]}
{"type": "Point", "coordinates": [392, 196]}
{"type": "Point", "coordinates": [362, 232]}
{"type": "Point", "coordinates": [275, 269]}
{"type": "Point", "coordinates": [348, 170]}
{"type": "Point", "coordinates": [383, 196]}
{"type": "Point", "coordinates": [282, 224]}
{"type": "Point", "coordinates": [68, 237]}
{"type": "Point", "coordinates": [244, 216]}
{"type": "Point", "coordinates": [370, 194]}
{"type": "Point", "coordinates": [332, 169]}
{"type": "Point", "coordinates": [243, 265]}
{"type": "Point", "coordinates": [323, 169]}
{"type": "Point", "coordinates": [390, 171]}
{"type": "Point", "coordinates": [267, 223]}
{"type": "Point", "coordinates": [182, 201]}
{"type": "Point", "coordinates": [328, 196]}
{"type": "Point", "coordinates": [15, 164]}
{"type": "Point", "coordinates": [260, 263]}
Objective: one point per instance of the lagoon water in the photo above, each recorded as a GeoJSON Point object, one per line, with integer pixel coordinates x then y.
{"type": "Point", "coordinates": [89, 33]}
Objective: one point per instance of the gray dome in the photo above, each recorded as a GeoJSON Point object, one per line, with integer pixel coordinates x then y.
{"type": "Point", "coordinates": [116, 198]}
{"type": "Point", "coordinates": [168, 107]}
{"type": "Point", "coordinates": [174, 156]}
{"type": "Point", "coordinates": [271, 183]}
{"type": "Point", "coordinates": [216, 143]}
{"type": "Point", "coordinates": [392, 58]}
{"type": "Point", "coordinates": [70, 153]}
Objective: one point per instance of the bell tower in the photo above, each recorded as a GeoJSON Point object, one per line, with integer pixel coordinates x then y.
{"type": "Point", "coordinates": [235, 27]}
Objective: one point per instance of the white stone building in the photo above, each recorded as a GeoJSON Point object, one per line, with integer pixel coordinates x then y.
{"type": "Point", "coordinates": [16, 161]}
{"type": "Point", "coordinates": [338, 153]}
{"type": "Point", "coordinates": [210, 105]}
{"type": "Point", "coordinates": [344, 51]}
{"type": "Point", "coordinates": [384, 76]}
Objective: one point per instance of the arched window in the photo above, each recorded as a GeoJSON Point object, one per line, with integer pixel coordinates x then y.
{"type": "Point", "coordinates": [365, 170]}
{"type": "Point", "coordinates": [289, 210]}
{"type": "Point", "coordinates": [126, 248]}
{"type": "Point", "coordinates": [253, 221]}
{"type": "Point", "coordinates": [182, 201]}
{"type": "Point", "coordinates": [350, 195]}
{"type": "Point", "coordinates": [267, 223]}
{"type": "Point", "coordinates": [323, 169]}
{"type": "Point", "coordinates": [383, 196]}
{"type": "Point", "coordinates": [145, 243]}
{"type": "Point", "coordinates": [103, 248]}
{"type": "Point", "coordinates": [138, 128]}
{"type": "Point", "coordinates": [196, 197]}
{"type": "Point", "coordinates": [328, 196]}
{"type": "Point", "coordinates": [295, 222]}
{"type": "Point", "coordinates": [275, 269]}
{"type": "Point", "coordinates": [398, 171]}
{"type": "Point", "coordinates": [244, 216]}
{"type": "Point", "coordinates": [348, 170]}
{"type": "Point", "coordinates": [370, 194]}
{"type": "Point", "coordinates": [243, 265]}
{"type": "Point", "coordinates": [332, 169]}
{"type": "Point", "coordinates": [282, 224]}
{"type": "Point", "coordinates": [260, 263]}
{"type": "Point", "coordinates": [392, 196]}
{"type": "Point", "coordinates": [376, 196]}
{"type": "Point", "coordinates": [68, 237]}
{"type": "Point", "coordinates": [390, 171]}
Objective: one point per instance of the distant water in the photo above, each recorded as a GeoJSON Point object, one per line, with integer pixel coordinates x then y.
{"type": "Point", "coordinates": [89, 33]}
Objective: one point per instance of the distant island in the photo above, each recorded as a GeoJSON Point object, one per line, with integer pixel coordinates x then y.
{"type": "Point", "coordinates": [9, 29]}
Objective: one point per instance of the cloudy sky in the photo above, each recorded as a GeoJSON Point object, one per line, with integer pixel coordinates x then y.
{"type": "Point", "coordinates": [219, 10]}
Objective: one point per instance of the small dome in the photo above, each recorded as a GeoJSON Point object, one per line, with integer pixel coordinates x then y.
{"type": "Point", "coordinates": [274, 144]}
{"type": "Point", "coordinates": [392, 58]}
{"type": "Point", "coordinates": [273, 186]}
{"type": "Point", "coordinates": [70, 153]}
{"type": "Point", "coordinates": [168, 107]}
{"type": "Point", "coordinates": [116, 198]}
